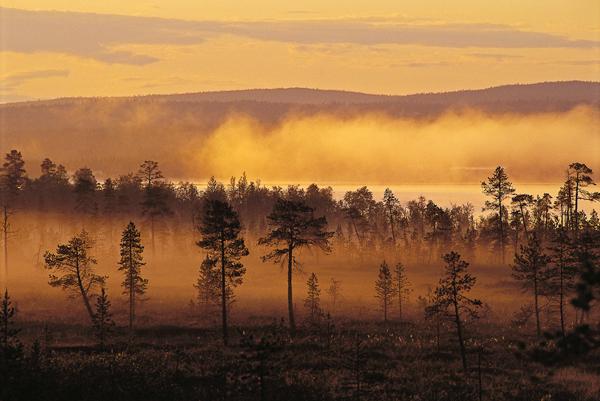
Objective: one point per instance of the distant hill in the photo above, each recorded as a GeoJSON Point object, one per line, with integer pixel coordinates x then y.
{"type": "Point", "coordinates": [545, 94]}
{"type": "Point", "coordinates": [114, 133]}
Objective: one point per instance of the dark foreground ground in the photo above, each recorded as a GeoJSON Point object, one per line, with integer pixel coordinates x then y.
{"type": "Point", "coordinates": [336, 361]}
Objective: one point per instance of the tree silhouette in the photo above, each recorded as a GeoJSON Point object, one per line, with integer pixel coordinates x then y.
{"type": "Point", "coordinates": [130, 264]}
{"type": "Point", "coordinates": [85, 189]}
{"type": "Point", "coordinates": [498, 187]}
{"type": "Point", "coordinates": [521, 202]}
{"type": "Point", "coordinates": [562, 272]}
{"type": "Point", "coordinates": [76, 266]}
{"type": "Point", "coordinates": [581, 176]}
{"type": "Point", "coordinates": [384, 289]}
{"type": "Point", "coordinates": [312, 303]}
{"type": "Point", "coordinates": [13, 178]}
{"type": "Point", "coordinates": [102, 320]}
{"type": "Point", "coordinates": [220, 230]}
{"type": "Point", "coordinates": [149, 173]}
{"type": "Point", "coordinates": [8, 333]}
{"type": "Point", "coordinates": [451, 293]}
{"type": "Point", "coordinates": [335, 292]}
{"type": "Point", "coordinates": [357, 207]}
{"type": "Point", "coordinates": [13, 175]}
{"type": "Point", "coordinates": [155, 203]}
{"type": "Point", "coordinates": [293, 226]}
{"type": "Point", "coordinates": [391, 205]}
{"type": "Point", "coordinates": [402, 287]}
{"type": "Point", "coordinates": [531, 268]}
{"type": "Point", "coordinates": [208, 287]}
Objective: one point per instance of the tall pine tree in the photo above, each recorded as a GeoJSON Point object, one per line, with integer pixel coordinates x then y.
{"type": "Point", "coordinates": [130, 264]}
{"type": "Point", "coordinates": [220, 229]}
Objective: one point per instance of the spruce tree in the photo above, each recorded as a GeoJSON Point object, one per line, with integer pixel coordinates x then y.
{"type": "Point", "coordinates": [130, 264]}
{"type": "Point", "coordinates": [531, 269]}
{"type": "Point", "coordinates": [8, 333]}
{"type": "Point", "coordinates": [499, 188]}
{"type": "Point", "coordinates": [384, 289]}
{"type": "Point", "coordinates": [451, 293]}
{"type": "Point", "coordinates": [208, 287]}
{"type": "Point", "coordinates": [312, 303]}
{"type": "Point", "coordinates": [402, 287]}
{"type": "Point", "coordinates": [391, 204]}
{"type": "Point", "coordinates": [220, 229]}
{"type": "Point", "coordinates": [13, 178]}
{"type": "Point", "coordinates": [102, 321]}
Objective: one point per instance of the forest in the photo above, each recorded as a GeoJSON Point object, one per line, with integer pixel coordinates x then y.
{"type": "Point", "coordinates": [137, 287]}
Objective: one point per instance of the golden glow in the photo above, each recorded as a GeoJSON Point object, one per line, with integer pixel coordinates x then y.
{"type": "Point", "coordinates": [233, 61]}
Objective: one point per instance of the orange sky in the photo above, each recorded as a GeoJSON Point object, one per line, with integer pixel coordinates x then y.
{"type": "Point", "coordinates": [54, 48]}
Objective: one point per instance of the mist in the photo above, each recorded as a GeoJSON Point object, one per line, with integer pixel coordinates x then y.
{"type": "Point", "coordinates": [277, 143]}
{"type": "Point", "coordinates": [378, 149]}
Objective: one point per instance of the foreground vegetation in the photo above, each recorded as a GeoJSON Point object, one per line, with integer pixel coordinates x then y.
{"type": "Point", "coordinates": [342, 360]}
{"type": "Point", "coordinates": [453, 349]}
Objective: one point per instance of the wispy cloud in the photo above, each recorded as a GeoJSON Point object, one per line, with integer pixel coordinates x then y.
{"type": "Point", "coordinates": [98, 36]}
{"type": "Point", "coordinates": [495, 56]}
{"type": "Point", "coordinates": [12, 82]}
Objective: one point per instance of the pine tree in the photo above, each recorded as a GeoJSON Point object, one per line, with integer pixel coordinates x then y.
{"type": "Point", "coordinates": [313, 299]}
{"type": "Point", "coordinates": [13, 178]}
{"type": "Point", "coordinates": [562, 272]}
{"type": "Point", "coordinates": [85, 189]}
{"type": "Point", "coordinates": [452, 291]}
{"type": "Point", "coordinates": [7, 331]}
{"type": "Point", "coordinates": [499, 188]}
{"type": "Point", "coordinates": [208, 287]}
{"type": "Point", "coordinates": [385, 290]}
{"type": "Point", "coordinates": [293, 226]}
{"type": "Point", "coordinates": [391, 205]}
{"type": "Point", "coordinates": [402, 286]}
{"type": "Point", "coordinates": [220, 229]}
{"type": "Point", "coordinates": [131, 262]}
{"type": "Point", "coordinates": [335, 292]}
{"type": "Point", "coordinates": [581, 176]}
{"type": "Point", "coordinates": [102, 321]}
{"type": "Point", "coordinates": [531, 268]}
{"type": "Point", "coordinates": [521, 202]}
{"type": "Point", "coordinates": [77, 267]}
{"type": "Point", "coordinates": [155, 203]}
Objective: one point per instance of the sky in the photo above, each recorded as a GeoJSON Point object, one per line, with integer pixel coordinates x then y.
{"type": "Point", "coordinates": [56, 48]}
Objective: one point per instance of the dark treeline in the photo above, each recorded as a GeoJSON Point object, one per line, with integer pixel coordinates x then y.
{"type": "Point", "coordinates": [418, 229]}
{"type": "Point", "coordinates": [552, 244]}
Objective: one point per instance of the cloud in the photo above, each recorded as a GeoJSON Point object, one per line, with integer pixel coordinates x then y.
{"type": "Point", "coordinates": [97, 36]}
{"type": "Point", "coordinates": [495, 56]}
{"type": "Point", "coordinates": [92, 35]}
{"type": "Point", "coordinates": [14, 81]}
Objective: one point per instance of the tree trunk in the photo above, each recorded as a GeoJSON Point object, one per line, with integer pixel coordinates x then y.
{"type": "Point", "coordinates": [5, 233]}
{"type": "Point", "coordinates": [131, 290]}
{"type": "Point", "coordinates": [400, 304]}
{"type": "Point", "coordinates": [223, 295]}
{"type": "Point", "coordinates": [290, 295]}
{"type": "Point", "coordinates": [577, 203]}
{"type": "Point", "coordinates": [461, 342]}
{"type": "Point", "coordinates": [538, 329]}
{"type": "Point", "coordinates": [84, 294]}
{"type": "Point", "coordinates": [524, 222]}
{"type": "Point", "coordinates": [385, 304]}
{"type": "Point", "coordinates": [561, 300]}
{"type": "Point", "coordinates": [392, 227]}
{"type": "Point", "coordinates": [501, 228]}
{"type": "Point", "coordinates": [152, 234]}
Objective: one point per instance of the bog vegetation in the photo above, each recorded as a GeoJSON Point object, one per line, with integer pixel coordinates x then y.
{"type": "Point", "coordinates": [447, 343]}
